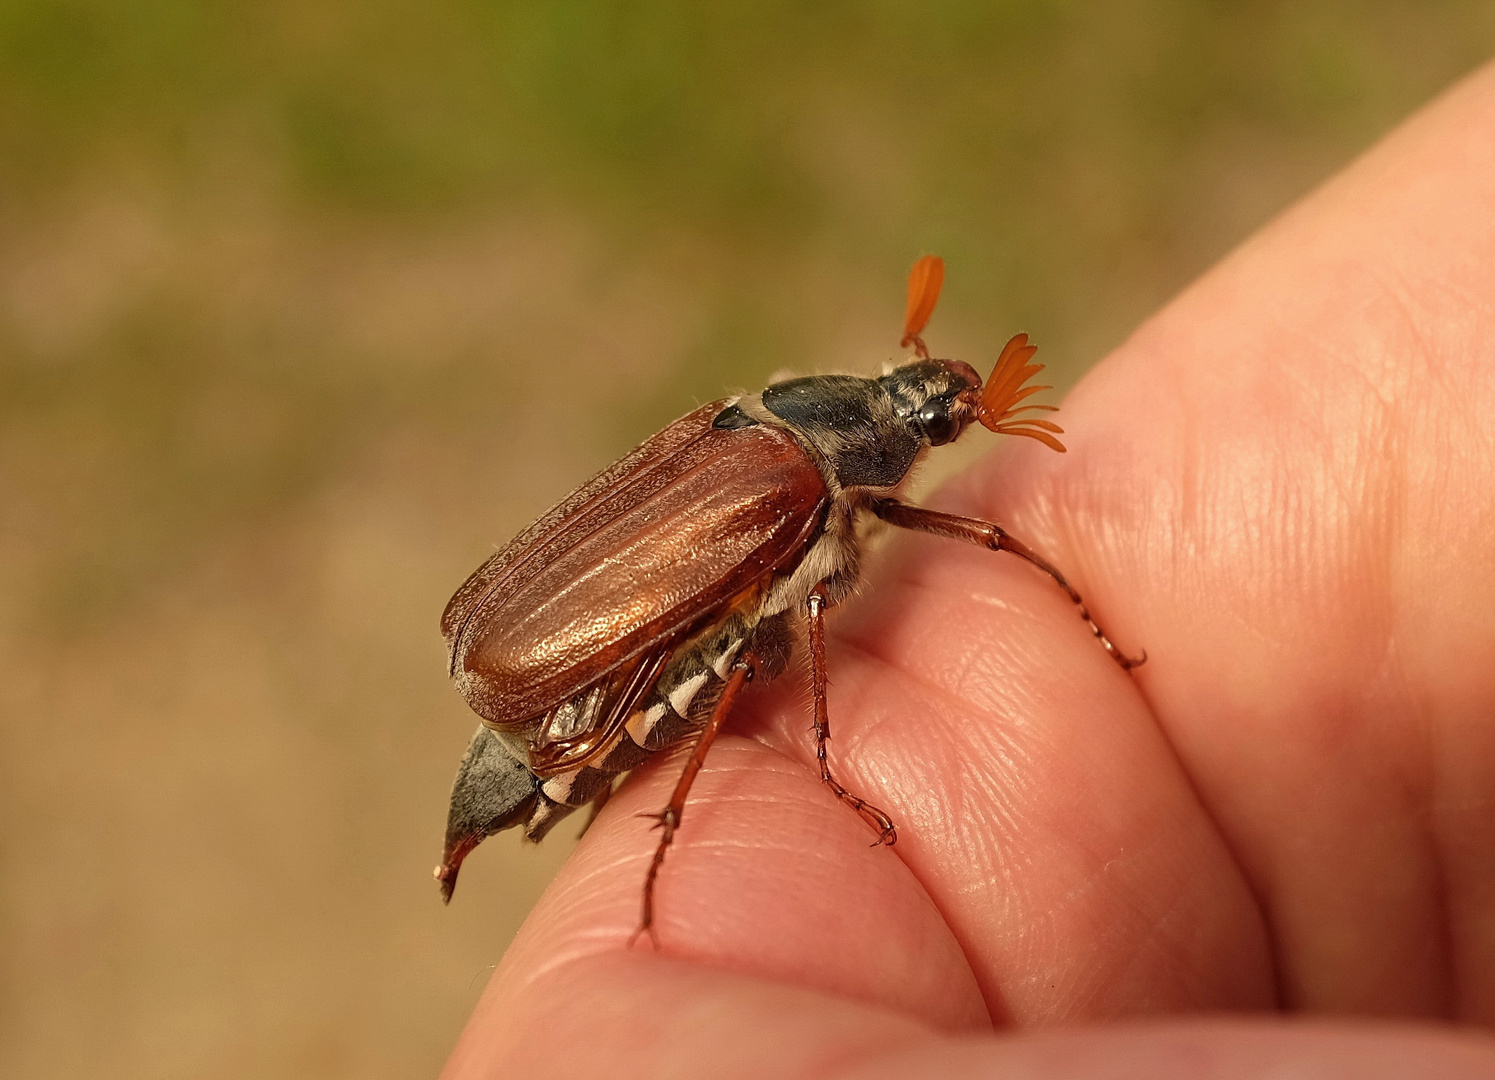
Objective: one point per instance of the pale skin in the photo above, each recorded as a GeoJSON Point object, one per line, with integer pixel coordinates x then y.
{"type": "Point", "coordinates": [1272, 847]}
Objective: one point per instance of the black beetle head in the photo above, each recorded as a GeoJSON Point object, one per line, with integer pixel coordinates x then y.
{"type": "Point", "coordinates": [937, 398]}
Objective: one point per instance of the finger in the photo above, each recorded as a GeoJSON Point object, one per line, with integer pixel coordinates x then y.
{"type": "Point", "coordinates": [768, 875]}
{"type": "Point", "coordinates": [1038, 803]}
{"type": "Point", "coordinates": [1199, 1050]}
{"type": "Point", "coordinates": [641, 1015]}
{"type": "Point", "coordinates": [1282, 486]}
{"type": "Point", "coordinates": [707, 1022]}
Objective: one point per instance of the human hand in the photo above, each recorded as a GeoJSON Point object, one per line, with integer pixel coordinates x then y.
{"type": "Point", "coordinates": [1282, 488]}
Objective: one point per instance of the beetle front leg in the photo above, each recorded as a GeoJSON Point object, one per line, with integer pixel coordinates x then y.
{"type": "Point", "coordinates": [815, 609]}
{"type": "Point", "coordinates": [989, 534]}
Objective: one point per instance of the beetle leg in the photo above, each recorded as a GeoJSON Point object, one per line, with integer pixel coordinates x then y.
{"type": "Point", "coordinates": [989, 534]}
{"type": "Point", "coordinates": [815, 609]}
{"type": "Point", "coordinates": [668, 819]}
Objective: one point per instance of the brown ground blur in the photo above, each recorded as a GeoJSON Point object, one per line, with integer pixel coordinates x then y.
{"type": "Point", "coordinates": [304, 307]}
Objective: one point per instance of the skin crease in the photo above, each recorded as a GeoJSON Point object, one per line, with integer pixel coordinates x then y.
{"type": "Point", "coordinates": [1282, 488]}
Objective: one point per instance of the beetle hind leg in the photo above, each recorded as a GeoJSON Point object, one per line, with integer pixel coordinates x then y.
{"type": "Point", "coordinates": [668, 819]}
{"type": "Point", "coordinates": [887, 832]}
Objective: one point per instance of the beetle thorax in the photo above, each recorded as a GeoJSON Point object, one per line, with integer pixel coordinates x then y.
{"type": "Point", "coordinates": [834, 560]}
{"type": "Point", "coordinates": [869, 433]}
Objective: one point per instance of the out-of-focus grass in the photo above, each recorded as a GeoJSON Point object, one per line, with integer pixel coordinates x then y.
{"type": "Point", "coordinates": [303, 305]}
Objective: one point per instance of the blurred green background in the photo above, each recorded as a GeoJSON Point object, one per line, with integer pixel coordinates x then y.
{"type": "Point", "coordinates": [303, 306]}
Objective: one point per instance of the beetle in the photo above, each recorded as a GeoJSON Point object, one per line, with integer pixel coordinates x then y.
{"type": "Point", "coordinates": [628, 618]}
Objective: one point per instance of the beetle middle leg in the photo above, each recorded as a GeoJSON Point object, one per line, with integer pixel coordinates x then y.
{"type": "Point", "coordinates": [668, 819]}
{"type": "Point", "coordinates": [989, 534]}
{"type": "Point", "coordinates": [887, 833]}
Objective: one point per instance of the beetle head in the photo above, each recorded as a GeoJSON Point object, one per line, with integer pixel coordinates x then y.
{"type": "Point", "coordinates": [940, 397]}
{"type": "Point", "coordinates": [937, 398]}
{"type": "Point", "coordinates": [871, 431]}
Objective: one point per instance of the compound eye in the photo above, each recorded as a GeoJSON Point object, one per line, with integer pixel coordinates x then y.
{"type": "Point", "coordinates": [934, 418]}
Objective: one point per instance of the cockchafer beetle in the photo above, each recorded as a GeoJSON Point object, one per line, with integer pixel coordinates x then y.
{"type": "Point", "coordinates": [628, 618]}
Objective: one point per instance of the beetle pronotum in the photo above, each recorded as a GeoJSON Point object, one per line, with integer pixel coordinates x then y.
{"type": "Point", "coordinates": [627, 619]}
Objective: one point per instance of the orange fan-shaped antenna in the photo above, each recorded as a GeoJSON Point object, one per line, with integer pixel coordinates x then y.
{"type": "Point", "coordinates": [999, 400]}
{"type": "Point", "coordinates": [924, 282]}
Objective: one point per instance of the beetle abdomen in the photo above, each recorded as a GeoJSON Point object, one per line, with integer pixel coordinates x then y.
{"type": "Point", "coordinates": [672, 710]}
